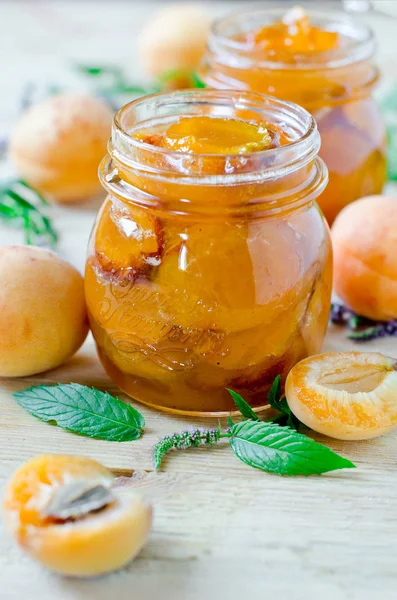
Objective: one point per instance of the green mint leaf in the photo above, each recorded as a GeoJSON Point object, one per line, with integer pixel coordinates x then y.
{"type": "Point", "coordinates": [230, 421]}
{"type": "Point", "coordinates": [243, 406]}
{"type": "Point", "coordinates": [275, 449]}
{"type": "Point", "coordinates": [197, 82]}
{"type": "Point", "coordinates": [286, 418]}
{"type": "Point", "coordinates": [7, 213]}
{"type": "Point", "coordinates": [274, 394]}
{"type": "Point", "coordinates": [83, 410]}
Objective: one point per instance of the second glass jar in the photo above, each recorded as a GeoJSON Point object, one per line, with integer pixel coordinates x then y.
{"type": "Point", "coordinates": [335, 86]}
{"type": "Point", "coordinates": [208, 271]}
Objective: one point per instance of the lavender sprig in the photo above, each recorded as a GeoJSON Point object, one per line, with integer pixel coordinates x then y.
{"type": "Point", "coordinates": [191, 438]}
{"type": "Point", "coordinates": [361, 328]}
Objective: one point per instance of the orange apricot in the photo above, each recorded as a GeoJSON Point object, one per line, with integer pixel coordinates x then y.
{"type": "Point", "coordinates": [43, 319]}
{"type": "Point", "coordinates": [64, 512]}
{"type": "Point", "coordinates": [364, 239]}
{"type": "Point", "coordinates": [345, 395]}
{"type": "Point", "coordinates": [58, 143]}
{"type": "Point", "coordinates": [174, 39]}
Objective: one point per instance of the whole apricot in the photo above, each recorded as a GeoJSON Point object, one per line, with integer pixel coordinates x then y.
{"type": "Point", "coordinates": [42, 311]}
{"type": "Point", "coordinates": [65, 512]}
{"type": "Point", "coordinates": [58, 143]}
{"type": "Point", "coordinates": [364, 238]}
{"type": "Point", "coordinates": [174, 39]}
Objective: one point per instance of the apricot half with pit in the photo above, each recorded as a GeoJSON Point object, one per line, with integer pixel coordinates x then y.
{"type": "Point", "coordinates": [345, 395]}
{"type": "Point", "coordinates": [64, 512]}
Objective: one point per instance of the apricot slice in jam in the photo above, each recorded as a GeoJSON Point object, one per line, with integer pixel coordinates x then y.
{"type": "Point", "coordinates": [231, 276]}
{"type": "Point", "coordinates": [210, 135]}
{"type": "Point", "coordinates": [128, 239]}
{"type": "Point", "coordinates": [295, 33]}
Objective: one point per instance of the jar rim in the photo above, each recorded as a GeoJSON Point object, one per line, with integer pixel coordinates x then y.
{"type": "Point", "coordinates": [362, 48]}
{"type": "Point", "coordinates": [124, 146]}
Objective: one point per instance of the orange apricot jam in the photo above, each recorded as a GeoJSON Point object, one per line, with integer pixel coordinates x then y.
{"type": "Point", "coordinates": [322, 61]}
{"type": "Point", "coordinates": [209, 266]}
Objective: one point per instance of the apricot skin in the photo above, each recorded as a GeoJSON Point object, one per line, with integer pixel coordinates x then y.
{"type": "Point", "coordinates": [174, 39]}
{"type": "Point", "coordinates": [93, 545]}
{"type": "Point", "coordinates": [364, 238]}
{"type": "Point", "coordinates": [58, 143]}
{"type": "Point", "coordinates": [42, 311]}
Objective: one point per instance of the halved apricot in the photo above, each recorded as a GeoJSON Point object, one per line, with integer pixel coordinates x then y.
{"type": "Point", "coordinates": [64, 512]}
{"type": "Point", "coordinates": [345, 395]}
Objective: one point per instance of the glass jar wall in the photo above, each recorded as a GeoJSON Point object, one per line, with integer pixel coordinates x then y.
{"type": "Point", "coordinates": [209, 270]}
{"type": "Point", "coordinates": [322, 61]}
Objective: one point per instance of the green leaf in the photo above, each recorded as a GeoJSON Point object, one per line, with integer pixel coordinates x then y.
{"type": "Point", "coordinates": [33, 191]}
{"type": "Point", "coordinates": [83, 410]}
{"type": "Point", "coordinates": [19, 201]}
{"type": "Point", "coordinates": [7, 213]}
{"type": "Point", "coordinates": [197, 82]}
{"type": "Point", "coordinates": [274, 394]}
{"type": "Point", "coordinates": [98, 71]}
{"type": "Point", "coordinates": [280, 450]}
{"type": "Point", "coordinates": [243, 406]}
{"type": "Point", "coordinates": [367, 334]}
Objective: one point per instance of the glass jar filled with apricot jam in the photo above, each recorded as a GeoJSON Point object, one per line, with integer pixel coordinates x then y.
{"type": "Point", "coordinates": [322, 61]}
{"type": "Point", "coordinates": [209, 266]}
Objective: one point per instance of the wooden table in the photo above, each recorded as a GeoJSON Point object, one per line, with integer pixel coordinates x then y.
{"type": "Point", "coordinates": [221, 530]}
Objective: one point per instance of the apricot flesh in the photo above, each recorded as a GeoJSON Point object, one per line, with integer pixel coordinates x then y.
{"type": "Point", "coordinates": [216, 136]}
{"type": "Point", "coordinates": [175, 39]}
{"type": "Point", "coordinates": [345, 395]}
{"type": "Point", "coordinates": [43, 316]}
{"type": "Point", "coordinates": [364, 239]}
{"type": "Point", "coordinates": [139, 240]}
{"type": "Point", "coordinates": [95, 543]}
{"type": "Point", "coordinates": [295, 33]}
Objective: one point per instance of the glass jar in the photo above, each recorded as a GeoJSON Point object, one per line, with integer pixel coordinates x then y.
{"type": "Point", "coordinates": [208, 271]}
{"type": "Point", "coordinates": [335, 86]}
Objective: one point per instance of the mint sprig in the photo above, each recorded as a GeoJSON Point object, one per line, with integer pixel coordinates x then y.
{"type": "Point", "coordinates": [281, 450]}
{"type": "Point", "coordinates": [285, 416]}
{"type": "Point", "coordinates": [83, 410]}
{"type": "Point", "coordinates": [272, 446]}
{"type": "Point", "coordinates": [243, 406]}
{"type": "Point", "coordinates": [281, 405]}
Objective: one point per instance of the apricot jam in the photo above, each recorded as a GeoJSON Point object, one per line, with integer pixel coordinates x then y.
{"type": "Point", "coordinates": [209, 266]}
{"type": "Point", "coordinates": [322, 61]}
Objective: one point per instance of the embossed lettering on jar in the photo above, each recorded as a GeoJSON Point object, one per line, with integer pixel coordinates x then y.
{"type": "Point", "coordinates": [209, 266]}
{"type": "Point", "coordinates": [322, 61]}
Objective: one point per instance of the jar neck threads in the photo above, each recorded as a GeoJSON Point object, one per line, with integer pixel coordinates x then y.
{"type": "Point", "coordinates": [181, 182]}
{"type": "Point", "coordinates": [332, 76]}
